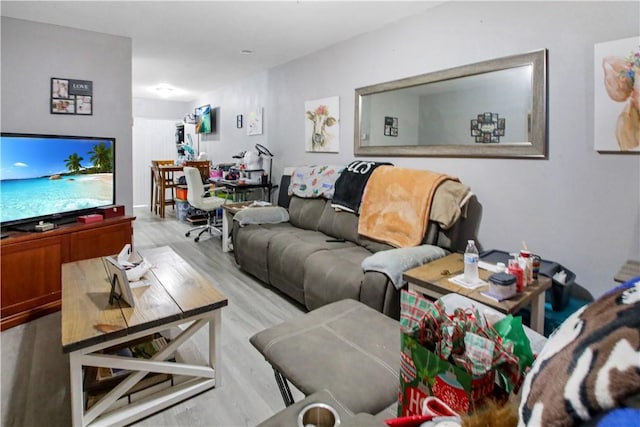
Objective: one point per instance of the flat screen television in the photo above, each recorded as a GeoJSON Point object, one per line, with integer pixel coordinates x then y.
{"type": "Point", "coordinates": [53, 178]}
{"type": "Point", "coordinates": [204, 119]}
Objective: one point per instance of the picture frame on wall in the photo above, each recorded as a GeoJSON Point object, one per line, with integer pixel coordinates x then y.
{"type": "Point", "coordinates": [616, 66]}
{"type": "Point", "coordinates": [254, 125]}
{"type": "Point", "coordinates": [63, 106]}
{"type": "Point", "coordinates": [69, 96]}
{"type": "Point", "coordinates": [322, 125]}
{"type": "Point", "coordinates": [59, 88]}
{"type": "Point", "coordinates": [84, 105]}
{"type": "Point", "coordinates": [390, 126]}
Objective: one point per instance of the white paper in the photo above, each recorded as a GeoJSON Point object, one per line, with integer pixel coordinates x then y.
{"type": "Point", "coordinates": [123, 256]}
{"type": "Point", "coordinates": [459, 280]}
{"type": "Point", "coordinates": [488, 266]}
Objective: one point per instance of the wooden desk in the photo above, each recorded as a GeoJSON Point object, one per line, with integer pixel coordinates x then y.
{"type": "Point", "coordinates": [433, 279]}
{"type": "Point", "coordinates": [238, 190]}
{"type": "Point", "coordinates": [174, 294]}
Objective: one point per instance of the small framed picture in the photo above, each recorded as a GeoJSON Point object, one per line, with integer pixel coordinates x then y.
{"type": "Point", "coordinates": [390, 126]}
{"type": "Point", "coordinates": [63, 106]}
{"type": "Point", "coordinates": [120, 288]}
{"type": "Point", "coordinates": [239, 121]}
{"type": "Point", "coordinates": [84, 105]}
{"type": "Point", "coordinates": [59, 88]}
{"type": "Point", "coordinates": [69, 96]}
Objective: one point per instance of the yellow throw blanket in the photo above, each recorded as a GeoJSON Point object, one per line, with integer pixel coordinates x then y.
{"type": "Point", "coordinates": [396, 205]}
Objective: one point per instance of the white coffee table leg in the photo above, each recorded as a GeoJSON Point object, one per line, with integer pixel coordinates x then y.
{"type": "Point", "coordinates": [77, 398]}
{"type": "Point", "coordinates": [215, 332]}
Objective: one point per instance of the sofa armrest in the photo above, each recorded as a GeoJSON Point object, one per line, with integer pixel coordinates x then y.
{"type": "Point", "coordinates": [394, 262]}
{"type": "Point", "coordinates": [262, 215]}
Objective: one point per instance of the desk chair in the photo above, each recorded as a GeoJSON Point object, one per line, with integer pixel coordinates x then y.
{"type": "Point", "coordinates": [202, 165]}
{"type": "Point", "coordinates": [196, 198]}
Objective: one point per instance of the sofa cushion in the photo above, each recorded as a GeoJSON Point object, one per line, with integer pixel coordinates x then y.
{"type": "Point", "coordinates": [339, 224]}
{"type": "Point", "coordinates": [305, 213]}
{"type": "Point", "coordinates": [287, 255]}
{"type": "Point", "coordinates": [333, 275]}
{"type": "Point", "coordinates": [250, 246]}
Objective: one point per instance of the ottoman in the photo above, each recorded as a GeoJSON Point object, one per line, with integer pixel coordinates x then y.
{"type": "Point", "coordinates": [345, 347]}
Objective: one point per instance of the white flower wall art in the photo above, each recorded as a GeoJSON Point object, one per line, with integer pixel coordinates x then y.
{"type": "Point", "coordinates": [254, 124]}
{"type": "Point", "coordinates": [322, 125]}
{"type": "Point", "coordinates": [617, 96]}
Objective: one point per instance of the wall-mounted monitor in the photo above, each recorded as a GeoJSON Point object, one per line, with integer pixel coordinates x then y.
{"type": "Point", "coordinates": [53, 178]}
{"type": "Point", "coordinates": [205, 119]}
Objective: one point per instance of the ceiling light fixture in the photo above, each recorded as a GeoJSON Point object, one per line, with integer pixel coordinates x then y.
{"type": "Point", "coordinates": [246, 51]}
{"type": "Point", "coordinates": [164, 90]}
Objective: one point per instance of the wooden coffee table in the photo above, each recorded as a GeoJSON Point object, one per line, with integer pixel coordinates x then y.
{"type": "Point", "coordinates": [174, 297]}
{"type": "Point", "coordinates": [432, 279]}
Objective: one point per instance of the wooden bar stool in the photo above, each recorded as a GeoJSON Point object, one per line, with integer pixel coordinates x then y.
{"type": "Point", "coordinates": [163, 172]}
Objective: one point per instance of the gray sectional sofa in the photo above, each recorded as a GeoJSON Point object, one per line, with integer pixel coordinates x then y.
{"type": "Point", "coordinates": [316, 256]}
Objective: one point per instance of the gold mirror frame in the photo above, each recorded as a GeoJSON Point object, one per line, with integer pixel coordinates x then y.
{"type": "Point", "coordinates": [534, 148]}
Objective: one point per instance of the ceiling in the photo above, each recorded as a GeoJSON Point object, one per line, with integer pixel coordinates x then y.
{"type": "Point", "coordinates": [195, 46]}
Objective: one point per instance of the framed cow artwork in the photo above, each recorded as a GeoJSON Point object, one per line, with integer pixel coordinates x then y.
{"type": "Point", "coordinates": [616, 117]}
{"type": "Point", "coordinates": [322, 125]}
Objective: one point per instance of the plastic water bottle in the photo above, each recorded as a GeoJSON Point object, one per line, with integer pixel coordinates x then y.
{"type": "Point", "coordinates": [471, 262]}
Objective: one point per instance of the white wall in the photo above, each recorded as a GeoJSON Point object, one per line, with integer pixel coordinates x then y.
{"type": "Point", "coordinates": [32, 53]}
{"type": "Point", "coordinates": [153, 139]}
{"type": "Point", "coordinates": [160, 109]}
{"type": "Point", "coordinates": [154, 128]}
{"type": "Point", "coordinates": [578, 207]}
{"type": "Point", "coordinates": [240, 98]}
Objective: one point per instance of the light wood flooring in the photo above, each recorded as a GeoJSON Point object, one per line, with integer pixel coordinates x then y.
{"type": "Point", "coordinates": [35, 372]}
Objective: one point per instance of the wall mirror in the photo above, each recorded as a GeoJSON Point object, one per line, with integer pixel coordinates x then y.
{"type": "Point", "coordinates": [494, 109]}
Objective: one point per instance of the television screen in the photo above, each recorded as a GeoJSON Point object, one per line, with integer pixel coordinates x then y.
{"type": "Point", "coordinates": [49, 177]}
{"type": "Point", "coordinates": [204, 122]}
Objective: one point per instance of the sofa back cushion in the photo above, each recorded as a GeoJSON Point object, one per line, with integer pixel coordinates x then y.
{"type": "Point", "coordinates": [306, 213]}
{"type": "Point", "coordinates": [339, 224]}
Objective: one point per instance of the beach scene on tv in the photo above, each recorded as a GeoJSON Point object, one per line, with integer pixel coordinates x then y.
{"type": "Point", "coordinates": [46, 176]}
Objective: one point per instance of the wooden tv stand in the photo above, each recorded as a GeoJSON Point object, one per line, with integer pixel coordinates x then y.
{"type": "Point", "coordinates": [31, 264]}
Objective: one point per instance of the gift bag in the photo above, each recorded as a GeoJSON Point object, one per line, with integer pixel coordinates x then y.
{"type": "Point", "coordinates": [454, 358]}
{"type": "Point", "coordinates": [423, 373]}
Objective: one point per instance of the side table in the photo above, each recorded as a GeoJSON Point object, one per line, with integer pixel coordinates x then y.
{"type": "Point", "coordinates": [628, 271]}
{"type": "Point", "coordinates": [432, 279]}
